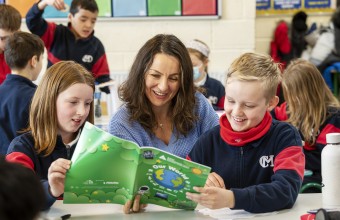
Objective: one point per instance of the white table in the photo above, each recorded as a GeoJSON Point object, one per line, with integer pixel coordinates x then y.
{"type": "Point", "coordinates": [304, 203]}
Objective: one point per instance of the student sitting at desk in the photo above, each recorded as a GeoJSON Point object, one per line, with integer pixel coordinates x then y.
{"type": "Point", "coordinates": [59, 109]}
{"type": "Point", "coordinates": [21, 195]}
{"type": "Point", "coordinates": [10, 22]}
{"type": "Point", "coordinates": [214, 90]}
{"type": "Point", "coordinates": [257, 162]}
{"type": "Point", "coordinates": [24, 55]}
{"type": "Point", "coordinates": [312, 108]}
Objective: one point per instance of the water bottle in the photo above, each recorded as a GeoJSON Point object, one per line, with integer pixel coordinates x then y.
{"type": "Point", "coordinates": [330, 170]}
{"type": "Point", "coordinates": [97, 106]}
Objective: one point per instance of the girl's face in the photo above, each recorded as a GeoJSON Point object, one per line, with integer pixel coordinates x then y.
{"type": "Point", "coordinates": [200, 65]}
{"type": "Point", "coordinates": [73, 107]}
{"type": "Point", "coordinates": [245, 104]}
{"type": "Point", "coordinates": [162, 80]}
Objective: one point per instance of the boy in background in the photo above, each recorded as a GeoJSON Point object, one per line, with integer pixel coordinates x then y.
{"type": "Point", "coordinates": [76, 41]}
{"type": "Point", "coordinates": [23, 54]}
{"type": "Point", "coordinates": [257, 162]}
{"type": "Point", "coordinates": [10, 21]}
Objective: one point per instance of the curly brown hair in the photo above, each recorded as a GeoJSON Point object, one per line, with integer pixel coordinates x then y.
{"type": "Point", "coordinates": [132, 91]}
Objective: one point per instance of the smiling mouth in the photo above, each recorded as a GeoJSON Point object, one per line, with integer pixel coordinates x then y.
{"type": "Point", "coordinates": [159, 93]}
{"type": "Point", "coordinates": [238, 119]}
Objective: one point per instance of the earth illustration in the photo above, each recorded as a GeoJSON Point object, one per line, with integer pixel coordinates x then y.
{"type": "Point", "coordinates": [168, 179]}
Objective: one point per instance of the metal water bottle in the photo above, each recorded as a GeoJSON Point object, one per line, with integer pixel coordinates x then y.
{"type": "Point", "coordinates": [330, 170]}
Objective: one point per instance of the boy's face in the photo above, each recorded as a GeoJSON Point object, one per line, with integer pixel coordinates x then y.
{"type": "Point", "coordinates": [245, 104]}
{"type": "Point", "coordinates": [83, 23]}
{"type": "Point", "coordinates": [3, 37]}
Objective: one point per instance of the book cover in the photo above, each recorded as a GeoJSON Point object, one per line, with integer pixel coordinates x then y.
{"type": "Point", "coordinates": [108, 169]}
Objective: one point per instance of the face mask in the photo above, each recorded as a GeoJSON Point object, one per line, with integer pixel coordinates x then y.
{"type": "Point", "coordinates": [197, 73]}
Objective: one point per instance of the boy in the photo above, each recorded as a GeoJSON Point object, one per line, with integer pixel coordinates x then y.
{"type": "Point", "coordinates": [21, 194]}
{"type": "Point", "coordinates": [10, 21]}
{"type": "Point", "coordinates": [76, 41]}
{"type": "Point", "coordinates": [23, 54]}
{"type": "Point", "coordinates": [257, 162]}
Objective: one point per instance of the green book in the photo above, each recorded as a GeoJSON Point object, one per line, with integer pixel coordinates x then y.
{"type": "Point", "coordinates": [108, 169]}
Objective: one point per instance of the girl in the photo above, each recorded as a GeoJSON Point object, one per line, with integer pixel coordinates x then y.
{"type": "Point", "coordinates": [214, 90]}
{"type": "Point", "coordinates": [60, 106]}
{"type": "Point", "coordinates": [312, 108]}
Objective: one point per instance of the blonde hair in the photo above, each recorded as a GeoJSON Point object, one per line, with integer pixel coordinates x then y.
{"type": "Point", "coordinates": [308, 98]}
{"type": "Point", "coordinates": [257, 67]}
{"type": "Point", "coordinates": [43, 122]}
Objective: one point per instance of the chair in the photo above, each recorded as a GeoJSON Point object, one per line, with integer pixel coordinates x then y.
{"type": "Point", "coordinates": [331, 76]}
{"type": "Point", "coordinates": [311, 186]}
{"type": "Point", "coordinates": [315, 187]}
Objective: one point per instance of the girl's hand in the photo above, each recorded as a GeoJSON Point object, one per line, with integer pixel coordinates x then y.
{"type": "Point", "coordinates": [56, 176]}
{"type": "Point", "coordinates": [134, 206]}
{"type": "Point", "coordinates": [213, 197]}
{"type": "Point", "coordinates": [215, 180]}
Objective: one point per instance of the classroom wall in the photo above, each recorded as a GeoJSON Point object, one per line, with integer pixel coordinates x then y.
{"type": "Point", "coordinates": [228, 37]}
{"type": "Point", "coordinates": [265, 26]}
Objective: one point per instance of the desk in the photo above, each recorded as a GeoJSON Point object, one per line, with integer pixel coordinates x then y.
{"type": "Point", "coordinates": [304, 203]}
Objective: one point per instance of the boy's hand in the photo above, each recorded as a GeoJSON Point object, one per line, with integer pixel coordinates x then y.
{"type": "Point", "coordinates": [212, 197]}
{"type": "Point", "coordinates": [56, 176]}
{"type": "Point", "coordinates": [134, 206]}
{"type": "Point", "coordinates": [215, 180]}
{"type": "Point", "coordinates": [58, 4]}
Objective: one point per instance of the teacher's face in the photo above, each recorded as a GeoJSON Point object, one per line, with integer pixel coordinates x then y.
{"type": "Point", "coordinates": [162, 80]}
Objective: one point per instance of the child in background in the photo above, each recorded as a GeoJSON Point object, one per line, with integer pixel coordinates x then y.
{"type": "Point", "coordinates": [24, 55]}
{"type": "Point", "coordinates": [21, 194]}
{"type": "Point", "coordinates": [257, 163]}
{"type": "Point", "coordinates": [60, 107]}
{"type": "Point", "coordinates": [76, 41]}
{"type": "Point", "coordinates": [10, 21]}
{"type": "Point", "coordinates": [214, 90]}
{"type": "Point", "coordinates": [310, 107]}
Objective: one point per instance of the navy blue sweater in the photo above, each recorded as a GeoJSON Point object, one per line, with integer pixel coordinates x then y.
{"type": "Point", "coordinates": [61, 44]}
{"type": "Point", "coordinates": [21, 150]}
{"type": "Point", "coordinates": [16, 94]}
{"type": "Point", "coordinates": [264, 174]}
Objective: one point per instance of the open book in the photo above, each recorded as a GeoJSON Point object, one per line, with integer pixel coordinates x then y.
{"type": "Point", "coordinates": [108, 169]}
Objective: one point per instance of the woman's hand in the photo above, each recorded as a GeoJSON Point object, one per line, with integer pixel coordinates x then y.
{"type": "Point", "coordinates": [134, 206]}
{"type": "Point", "coordinates": [56, 176]}
{"type": "Point", "coordinates": [215, 180]}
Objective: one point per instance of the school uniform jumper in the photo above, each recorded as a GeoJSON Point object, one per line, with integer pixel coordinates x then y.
{"type": "Point", "coordinates": [122, 127]}
{"type": "Point", "coordinates": [61, 44]}
{"type": "Point", "coordinates": [15, 99]}
{"type": "Point", "coordinates": [313, 152]}
{"type": "Point", "coordinates": [215, 92]}
{"type": "Point", "coordinates": [263, 166]}
{"type": "Point", "coordinates": [21, 150]}
{"type": "Point", "coordinates": [4, 68]}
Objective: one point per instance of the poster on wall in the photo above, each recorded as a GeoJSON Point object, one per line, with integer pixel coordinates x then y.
{"type": "Point", "coordinates": [290, 7]}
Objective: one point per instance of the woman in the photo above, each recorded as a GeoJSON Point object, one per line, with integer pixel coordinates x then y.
{"type": "Point", "coordinates": [162, 107]}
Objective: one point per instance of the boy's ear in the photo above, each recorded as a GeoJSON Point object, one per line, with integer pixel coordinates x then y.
{"type": "Point", "coordinates": [69, 16]}
{"type": "Point", "coordinates": [33, 61]}
{"type": "Point", "coordinates": [273, 103]}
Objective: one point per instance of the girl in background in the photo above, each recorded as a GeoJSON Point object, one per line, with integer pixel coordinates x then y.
{"type": "Point", "coordinates": [59, 109]}
{"type": "Point", "coordinates": [312, 108]}
{"type": "Point", "coordinates": [214, 89]}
